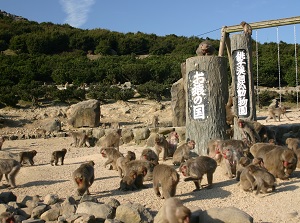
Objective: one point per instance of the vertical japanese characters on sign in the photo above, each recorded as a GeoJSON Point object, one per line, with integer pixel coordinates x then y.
{"type": "Point", "coordinates": [197, 94]}
{"type": "Point", "coordinates": [241, 82]}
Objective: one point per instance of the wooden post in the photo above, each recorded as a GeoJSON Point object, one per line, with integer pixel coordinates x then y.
{"type": "Point", "coordinates": [243, 83]}
{"type": "Point", "coordinates": [206, 96]}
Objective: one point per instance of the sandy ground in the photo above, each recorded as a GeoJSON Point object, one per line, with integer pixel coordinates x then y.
{"type": "Point", "coordinates": [42, 178]}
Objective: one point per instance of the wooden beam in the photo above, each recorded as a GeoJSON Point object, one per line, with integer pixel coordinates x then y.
{"type": "Point", "coordinates": [264, 24]}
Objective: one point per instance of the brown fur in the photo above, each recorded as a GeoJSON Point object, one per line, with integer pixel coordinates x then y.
{"type": "Point", "coordinates": [273, 112]}
{"type": "Point", "coordinates": [293, 143]}
{"type": "Point", "coordinates": [10, 168]}
{"type": "Point", "coordinates": [173, 211]}
{"type": "Point", "coordinates": [121, 162]}
{"type": "Point", "coordinates": [56, 155]}
{"type": "Point", "coordinates": [182, 153]}
{"type": "Point", "coordinates": [167, 177]}
{"type": "Point", "coordinates": [27, 156]}
{"type": "Point", "coordinates": [194, 169]}
{"type": "Point", "coordinates": [112, 155]}
{"type": "Point", "coordinates": [112, 139]}
{"type": "Point", "coordinates": [205, 48]}
{"type": "Point", "coordinates": [84, 177]}
{"type": "Point", "coordinates": [80, 139]}
{"type": "Point", "coordinates": [150, 155]}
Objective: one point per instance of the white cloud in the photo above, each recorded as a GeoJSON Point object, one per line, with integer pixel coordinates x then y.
{"type": "Point", "coordinates": [77, 11]}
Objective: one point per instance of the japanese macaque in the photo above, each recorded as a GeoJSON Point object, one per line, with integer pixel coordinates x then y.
{"type": "Point", "coordinates": [263, 179]}
{"type": "Point", "coordinates": [216, 147]}
{"type": "Point", "coordinates": [246, 179]}
{"type": "Point", "coordinates": [173, 141]}
{"type": "Point", "coordinates": [173, 211]}
{"type": "Point", "coordinates": [27, 156]}
{"type": "Point", "coordinates": [273, 112]}
{"type": "Point", "coordinates": [80, 139]}
{"type": "Point", "coordinates": [121, 162]}
{"type": "Point", "coordinates": [280, 162]}
{"type": "Point", "coordinates": [229, 112]}
{"type": "Point", "coordinates": [161, 145]}
{"type": "Point", "coordinates": [166, 177]}
{"type": "Point", "coordinates": [155, 121]}
{"type": "Point", "coordinates": [112, 139]}
{"type": "Point", "coordinates": [230, 160]}
{"type": "Point", "coordinates": [2, 139]}
{"type": "Point", "coordinates": [56, 155]}
{"type": "Point", "coordinates": [205, 48]}
{"type": "Point", "coordinates": [182, 153]}
{"type": "Point", "coordinates": [243, 162]}
{"type": "Point", "coordinates": [141, 173]}
{"type": "Point", "coordinates": [194, 169]}
{"type": "Point", "coordinates": [10, 168]}
{"type": "Point", "coordinates": [112, 155]}
{"type": "Point", "coordinates": [293, 143]}
{"type": "Point", "coordinates": [246, 28]}
{"type": "Point", "coordinates": [262, 147]}
{"type": "Point", "coordinates": [128, 181]}
{"type": "Point", "coordinates": [214, 150]}
{"type": "Point", "coordinates": [249, 131]}
{"type": "Point", "coordinates": [7, 217]}
{"type": "Point", "coordinates": [84, 177]}
{"type": "Point", "coordinates": [141, 166]}
{"type": "Point", "coordinates": [150, 155]}
{"type": "Point", "coordinates": [40, 133]}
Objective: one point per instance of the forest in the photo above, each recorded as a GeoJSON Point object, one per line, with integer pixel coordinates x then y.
{"type": "Point", "coordinates": [36, 57]}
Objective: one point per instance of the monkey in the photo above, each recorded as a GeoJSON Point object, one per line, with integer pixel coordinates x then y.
{"type": "Point", "coordinates": [255, 148]}
{"type": "Point", "coordinates": [161, 145]}
{"type": "Point", "coordinates": [297, 152]}
{"type": "Point", "coordinates": [249, 131]}
{"type": "Point", "coordinates": [246, 180]}
{"type": "Point", "coordinates": [2, 139]}
{"type": "Point", "coordinates": [27, 156]}
{"type": "Point", "coordinates": [121, 162]}
{"type": "Point", "coordinates": [246, 28]}
{"type": "Point", "coordinates": [194, 169]}
{"type": "Point", "coordinates": [293, 143]}
{"type": "Point", "coordinates": [205, 48]}
{"type": "Point", "coordinates": [263, 179]}
{"type": "Point", "coordinates": [56, 155]}
{"type": "Point", "coordinates": [182, 153]}
{"type": "Point", "coordinates": [214, 150]}
{"type": "Point", "coordinates": [112, 154]}
{"type": "Point", "coordinates": [173, 211]}
{"type": "Point", "coordinates": [168, 178]}
{"type": "Point", "coordinates": [150, 155]}
{"type": "Point", "coordinates": [229, 113]}
{"type": "Point", "coordinates": [173, 142]}
{"type": "Point", "coordinates": [112, 139]}
{"type": "Point", "coordinates": [84, 177]}
{"type": "Point", "coordinates": [41, 133]}
{"type": "Point", "coordinates": [141, 166]}
{"type": "Point", "coordinates": [218, 146]}
{"type": "Point", "coordinates": [128, 181]}
{"type": "Point", "coordinates": [141, 173]}
{"type": "Point", "coordinates": [155, 121]}
{"type": "Point", "coordinates": [230, 160]}
{"type": "Point", "coordinates": [10, 168]}
{"type": "Point", "coordinates": [243, 162]}
{"type": "Point", "coordinates": [274, 103]}
{"type": "Point", "coordinates": [280, 162]}
{"type": "Point", "coordinates": [7, 217]}
{"type": "Point", "coordinates": [273, 112]}
{"type": "Point", "coordinates": [80, 139]}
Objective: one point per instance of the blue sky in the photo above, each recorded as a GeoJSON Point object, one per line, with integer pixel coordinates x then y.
{"type": "Point", "coordinates": [162, 17]}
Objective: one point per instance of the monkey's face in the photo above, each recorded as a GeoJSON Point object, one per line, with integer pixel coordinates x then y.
{"type": "Point", "coordinates": [103, 153]}
{"type": "Point", "coordinates": [183, 169]}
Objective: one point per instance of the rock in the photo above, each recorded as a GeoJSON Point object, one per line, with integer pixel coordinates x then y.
{"type": "Point", "coordinates": [133, 213]}
{"type": "Point", "coordinates": [50, 215]}
{"type": "Point", "coordinates": [51, 199]}
{"type": "Point", "coordinates": [84, 114]}
{"type": "Point", "coordinates": [227, 214]}
{"type": "Point", "coordinates": [7, 197]}
{"type": "Point", "coordinates": [102, 211]}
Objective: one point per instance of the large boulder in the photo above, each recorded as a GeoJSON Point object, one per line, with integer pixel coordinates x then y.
{"type": "Point", "coordinates": [84, 114]}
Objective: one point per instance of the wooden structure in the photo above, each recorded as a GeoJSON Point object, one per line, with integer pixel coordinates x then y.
{"type": "Point", "coordinates": [206, 96]}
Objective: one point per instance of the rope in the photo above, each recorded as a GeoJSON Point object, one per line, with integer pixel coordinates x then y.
{"type": "Point", "coordinates": [296, 65]}
{"type": "Point", "coordinates": [278, 57]}
{"type": "Point", "coordinates": [256, 49]}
